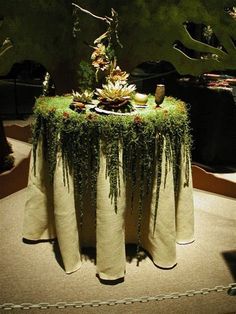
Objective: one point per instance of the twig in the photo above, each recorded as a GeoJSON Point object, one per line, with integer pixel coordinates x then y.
{"type": "Point", "coordinates": [107, 19]}
{"type": "Point", "coordinates": [7, 44]}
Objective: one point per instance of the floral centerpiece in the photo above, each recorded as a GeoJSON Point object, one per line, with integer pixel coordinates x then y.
{"type": "Point", "coordinates": [115, 94]}
{"type": "Point", "coordinates": [80, 100]}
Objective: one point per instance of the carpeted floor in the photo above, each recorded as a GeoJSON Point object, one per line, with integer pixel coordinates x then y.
{"type": "Point", "coordinates": [31, 273]}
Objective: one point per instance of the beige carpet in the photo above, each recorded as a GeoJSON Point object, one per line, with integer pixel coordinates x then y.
{"type": "Point", "coordinates": [16, 178]}
{"type": "Point", "coordinates": [31, 273]}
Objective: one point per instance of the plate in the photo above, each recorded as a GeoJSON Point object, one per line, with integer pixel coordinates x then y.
{"type": "Point", "coordinates": [140, 106]}
{"type": "Point", "coordinates": [102, 111]}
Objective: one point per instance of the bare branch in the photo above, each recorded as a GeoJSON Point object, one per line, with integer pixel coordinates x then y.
{"type": "Point", "coordinates": [111, 21]}
{"type": "Point", "coordinates": [106, 19]}
{"type": "Point", "coordinates": [192, 43]}
{"type": "Point", "coordinates": [7, 44]}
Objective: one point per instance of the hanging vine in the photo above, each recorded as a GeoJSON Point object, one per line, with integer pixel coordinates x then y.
{"type": "Point", "coordinates": [137, 143]}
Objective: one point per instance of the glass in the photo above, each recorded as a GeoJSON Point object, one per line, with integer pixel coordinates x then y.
{"type": "Point", "coordinates": [159, 94]}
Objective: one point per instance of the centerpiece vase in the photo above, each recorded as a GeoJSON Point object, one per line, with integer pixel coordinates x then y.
{"type": "Point", "coordinates": [159, 94]}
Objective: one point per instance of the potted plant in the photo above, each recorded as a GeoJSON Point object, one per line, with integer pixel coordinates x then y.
{"type": "Point", "coordinates": [115, 96]}
{"type": "Point", "coordinates": [80, 100]}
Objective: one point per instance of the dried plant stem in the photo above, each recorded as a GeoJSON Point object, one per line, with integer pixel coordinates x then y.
{"type": "Point", "coordinates": [107, 19]}
{"type": "Point", "coordinates": [7, 44]}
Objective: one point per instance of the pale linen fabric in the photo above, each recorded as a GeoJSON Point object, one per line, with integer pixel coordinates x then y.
{"type": "Point", "coordinates": [110, 228]}
{"type": "Point", "coordinates": [39, 209]}
{"type": "Point", "coordinates": [161, 242]}
{"type": "Point", "coordinates": [184, 206]}
{"type": "Point", "coordinates": [50, 213]}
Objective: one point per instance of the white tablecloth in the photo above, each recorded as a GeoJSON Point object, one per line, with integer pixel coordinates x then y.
{"type": "Point", "coordinates": [50, 213]}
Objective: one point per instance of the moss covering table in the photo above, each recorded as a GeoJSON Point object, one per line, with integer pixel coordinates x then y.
{"type": "Point", "coordinates": [106, 180]}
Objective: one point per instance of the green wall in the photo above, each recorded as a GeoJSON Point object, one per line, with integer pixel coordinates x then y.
{"type": "Point", "coordinates": [41, 30]}
{"type": "Point", "coordinates": [148, 30]}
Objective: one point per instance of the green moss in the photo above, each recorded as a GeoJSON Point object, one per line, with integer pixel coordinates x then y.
{"type": "Point", "coordinates": [143, 137]}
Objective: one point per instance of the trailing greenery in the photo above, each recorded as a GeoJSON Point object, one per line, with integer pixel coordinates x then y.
{"type": "Point", "coordinates": [143, 137]}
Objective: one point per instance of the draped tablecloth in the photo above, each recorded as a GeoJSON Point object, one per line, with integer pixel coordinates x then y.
{"type": "Point", "coordinates": [51, 212]}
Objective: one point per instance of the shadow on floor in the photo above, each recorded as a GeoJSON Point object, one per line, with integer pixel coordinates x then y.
{"type": "Point", "coordinates": [230, 260]}
{"type": "Point", "coordinates": [89, 253]}
{"type": "Point", "coordinates": [55, 246]}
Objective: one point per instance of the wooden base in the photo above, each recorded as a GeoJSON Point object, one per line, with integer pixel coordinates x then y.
{"type": "Point", "coordinates": [16, 178]}
{"type": "Point", "coordinates": [219, 183]}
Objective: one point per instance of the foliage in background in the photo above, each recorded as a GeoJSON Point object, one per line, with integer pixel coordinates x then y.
{"type": "Point", "coordinates": [40, 31]}
{"type": "Point", "coordinates": [86, 76]}
{"type": "Point", "coordinates": [160, 33]}
{"type": "Point", "coordinates": [6, 159]}
{"type": "Point", "coordinates": [148, 29]}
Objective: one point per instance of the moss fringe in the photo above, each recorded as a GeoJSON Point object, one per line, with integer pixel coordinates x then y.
{"type": "Point", "coordinates": [144, 137]}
